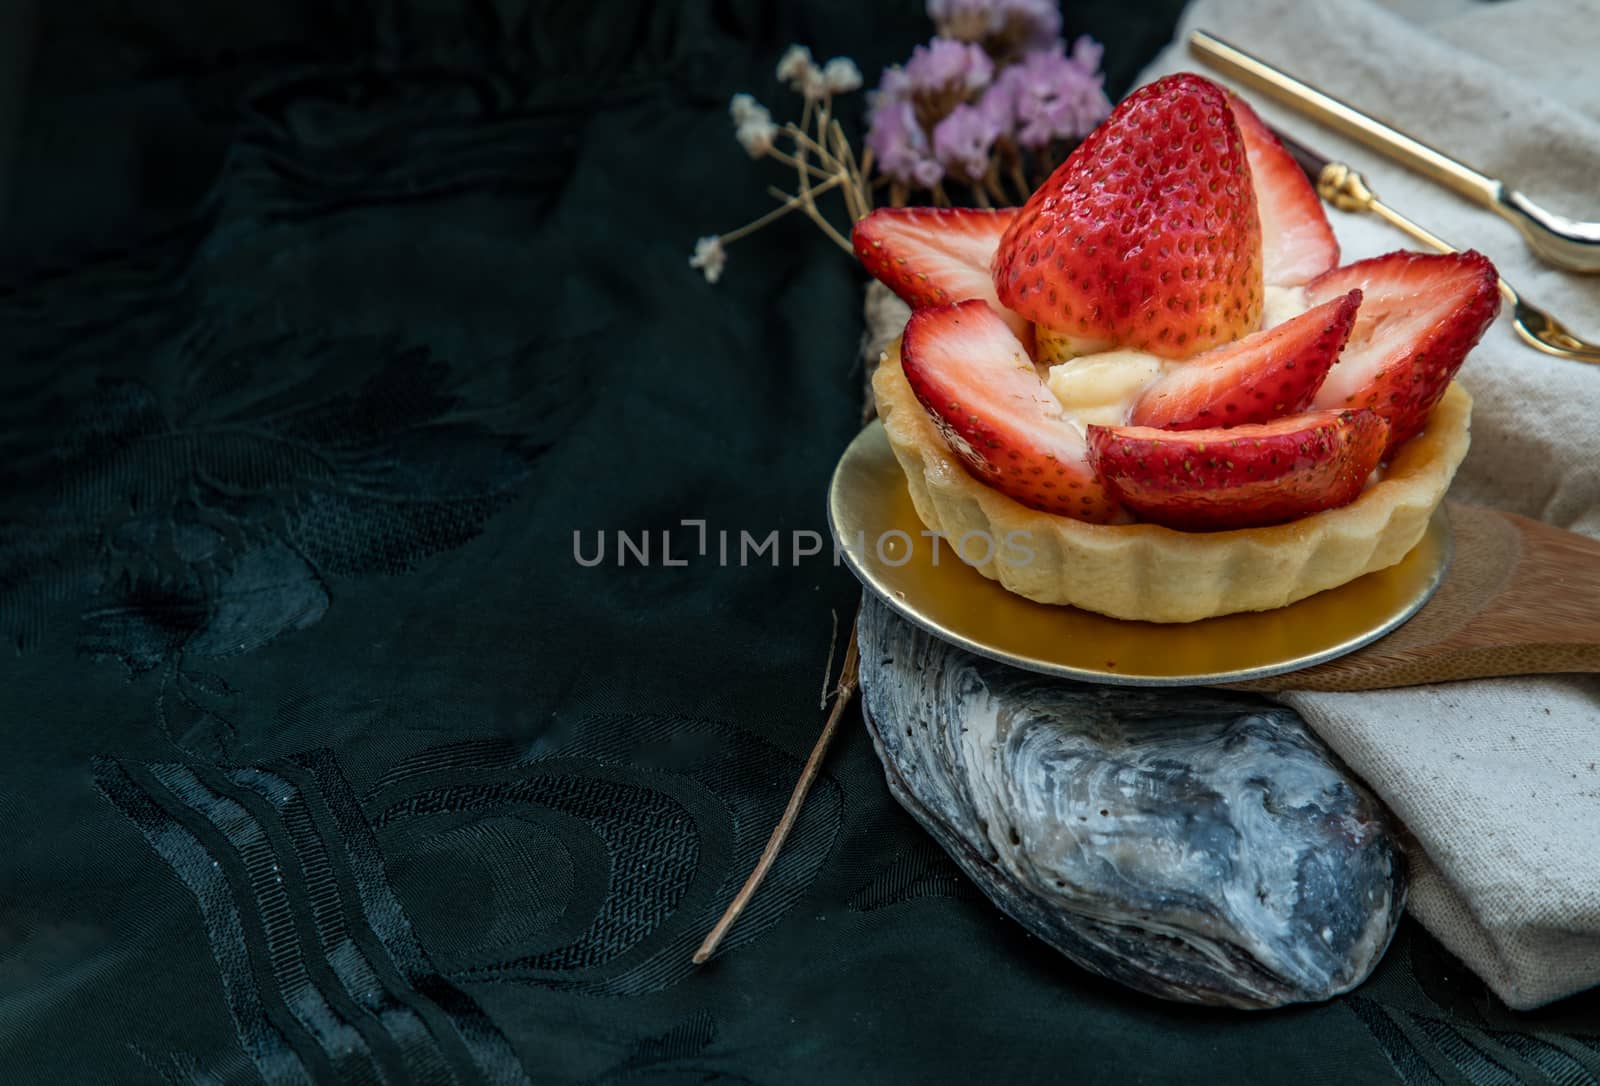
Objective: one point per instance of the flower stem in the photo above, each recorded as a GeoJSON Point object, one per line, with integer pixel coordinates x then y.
{"type": "Point", "coordinates": [801, 149]}
{"type": "Point", "coordinates": [809, 206]}
{"type": "Point", "coordinates": [865, 186]}
{"type": "Point", "coordinates": [1020, 181]}
{"type": "Point", "coordinates": [804, 141]}
{"type": "Point", "coordinates": [854, 201]}
{"type": "Point", "coordinates": [790, 203]}
{"type": "Point", "coordinates": [790, 160]}
{"type": "Point", "coordinates": [991, 183]}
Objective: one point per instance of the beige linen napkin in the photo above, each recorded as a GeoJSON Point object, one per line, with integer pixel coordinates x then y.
{"type": "Point", "coordinates": [1498, 780]}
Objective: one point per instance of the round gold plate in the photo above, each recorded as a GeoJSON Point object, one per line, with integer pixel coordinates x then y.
{"type": "Point", "coordinates": [869, 502]}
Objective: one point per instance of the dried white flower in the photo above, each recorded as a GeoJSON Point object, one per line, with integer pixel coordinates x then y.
{"type": "Point", "coordinates": [824, 163]}
{"type": "Point", "coordinates": [709, 257]}
{"type": "Point", "coordinates": [841, 75]}
{"type": "Point", "coordinates": [753, 126]}
{"type": "Point", "coordinates": [795, 66]}
{"type": "Point", "coordinates": [756, 137]}
{"type": "Point", "coordinates": [744, 107]}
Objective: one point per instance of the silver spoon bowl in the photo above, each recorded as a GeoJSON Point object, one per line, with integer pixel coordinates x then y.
{"type": "Point", "coordinates": [1556, 239]}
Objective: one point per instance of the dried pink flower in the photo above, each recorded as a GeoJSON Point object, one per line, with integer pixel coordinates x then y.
{"type": "Point", "coordinates": [1003, 27]}
{"type": "Point", "coordinates": [1051, 96]}
{"type": "Point", "coordinates": [899, 144]}
{"type": "Point", "coordinates": [963, 141]}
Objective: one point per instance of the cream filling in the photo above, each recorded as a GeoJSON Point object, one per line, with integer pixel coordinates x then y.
{"type": "Point", "coordinates": [1100, 389]}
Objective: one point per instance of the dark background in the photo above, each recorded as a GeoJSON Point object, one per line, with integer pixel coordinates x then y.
{"type": "Point", "coordinates": [323, 325]}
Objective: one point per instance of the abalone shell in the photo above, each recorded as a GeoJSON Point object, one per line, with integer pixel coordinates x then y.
{"type": "Point", "coordinates": [1195, 844]}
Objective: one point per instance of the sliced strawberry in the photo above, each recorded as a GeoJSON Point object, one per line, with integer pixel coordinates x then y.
{"type": "Point", "coordinates": [936, 255]}
{"type": "Point", "coordinates": [1420, 315]}
{"type": "Point", "coordinates": [1147, 235]}
{"type": "Point", "coordinates": [1244, 477]}
{"type": "Point", "coordinates": [1261, 377]}
{"type": "Point", "coordinates": [979, 387]}
{"type": "Point", "coordinates": [1297, 244]}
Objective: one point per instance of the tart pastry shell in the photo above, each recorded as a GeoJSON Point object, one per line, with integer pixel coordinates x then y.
{"type": "Point", "coordinates": [1149, 573]}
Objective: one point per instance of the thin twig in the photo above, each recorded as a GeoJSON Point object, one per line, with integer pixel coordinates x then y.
{"type": "Point", "coordinates": [824, 117]}
{"type": "Point", "coordinates": [851, 191]}
{"type": "Point", "coordinates": [801, 149]}
{"type": "Point", "coordinates": [991, 181]}
{"type": "Point", "coordinates": [789, 204]}
{"type": "Point", "coordinates": [1020, 181]}
{"type": "Point", "coordinates": [804, 142]}
{"type": "Point", "coordinates": [789, 160]}
{"type": "Point", "coordinates": [810, 208]}
{"type": "Point", "coordinates": [856, 191]}
{"type": "Point", "coordinates": [849, 678]}
{"type": "Point", "coordinates": [827, 668]}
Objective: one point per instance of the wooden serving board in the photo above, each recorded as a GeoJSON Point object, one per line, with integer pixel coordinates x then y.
{"type": "Point", "coordinates": [1520, 598]}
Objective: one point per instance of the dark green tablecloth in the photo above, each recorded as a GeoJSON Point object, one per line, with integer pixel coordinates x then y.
{"type": "Point", "coordinates": [326, 325]}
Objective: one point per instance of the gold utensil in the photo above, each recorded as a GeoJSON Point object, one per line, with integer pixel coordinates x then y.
{"type": "Point", "coordinates": [1347, 190]}
{"type": "Point", "coordinates": [1561, 241]}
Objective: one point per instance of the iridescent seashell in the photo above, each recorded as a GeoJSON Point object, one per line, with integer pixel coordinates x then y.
{"type": "Point", "coordinates": [1194, 844]}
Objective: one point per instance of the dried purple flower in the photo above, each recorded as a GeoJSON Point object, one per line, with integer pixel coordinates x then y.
{"type": "Point", "coordinates": [927, 173]}
{"type": "Point", "coordinates": [945, 67]}
{"type": "Point", "coordinates": [999, 102]}
{"type": "Point", "coordinates": [1005, 28]}
{"type": "Point", "coordinates": [963, 140]}
{"type": "Point", "coordinates": [1055, 97]}
{"type": "Point", "coordinates": [893, 85]}
{"type": "Point", "coordinates": [899, 144]}
{"type": "Point", "coordinates": [1086, 54]}
{"type": "Point", "coordinates": [943, 74]}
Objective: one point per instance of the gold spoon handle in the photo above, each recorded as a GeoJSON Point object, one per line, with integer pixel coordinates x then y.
{"type": "Point", "coordinates": [1347, 190]}
{"type": "Point", "coordinates": [1426, 160]}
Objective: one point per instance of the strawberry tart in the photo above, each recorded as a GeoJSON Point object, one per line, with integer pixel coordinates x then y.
{"type": "Point", "coordinates": [1158, 373]}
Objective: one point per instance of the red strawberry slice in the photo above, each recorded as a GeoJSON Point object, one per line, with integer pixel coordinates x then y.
{"type": "Point", "coordinates": [1147, 236]}
{"type": "Point", "coordinates": [936, 255]}
{"type": "Point", "coordinates": [1261, 377]}
{"type": "Point", "coordinates": [1243, 477]}
{"type": "Point", "coordinates": [981, 390]}
{"type": "Point", "coordinates": [1420, 315]}
{"type": "Point", "coordinates": [1297, 244]}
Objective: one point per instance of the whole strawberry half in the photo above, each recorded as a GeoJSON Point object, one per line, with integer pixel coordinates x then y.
{"type": "Point", "coordinates": [1147, 236]}
{"type": "Point", "coordinates": [1243, 477]}
{"type": "Point", "coordinates": [936, 255]}
{"type": "Point", "coordinates": [982, 391]}
{"type": "Point", "coordinates": [1420, 314]}
{"type": "Point", "coordinates": [1263, 376]}
{"type": "Point", "coordinates": [1297, 243]}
